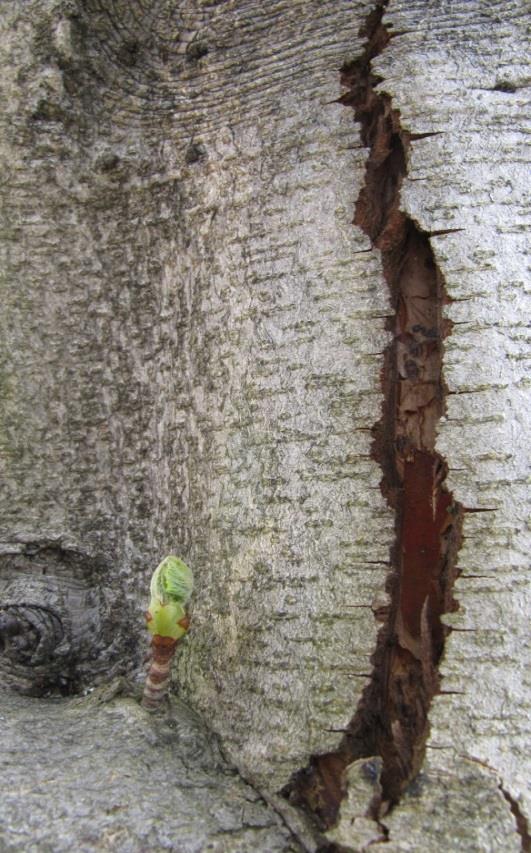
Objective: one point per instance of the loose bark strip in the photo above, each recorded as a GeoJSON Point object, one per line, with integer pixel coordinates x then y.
{"type": "Point", "coordinates": [392, 719]}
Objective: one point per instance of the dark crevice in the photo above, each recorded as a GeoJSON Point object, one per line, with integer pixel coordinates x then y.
{"type": "Point", "coordinates": [522, 826]}
{"type": "Point", "coordinates": [414, 137]}
{"type": "Point", "coordinates": [392, 717]}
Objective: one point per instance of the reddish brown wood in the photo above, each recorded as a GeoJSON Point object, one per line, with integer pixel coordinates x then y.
{"type": "Point", "coordinates": [158, 677]}
{"type": "Point", "coordinates": [392, 719]}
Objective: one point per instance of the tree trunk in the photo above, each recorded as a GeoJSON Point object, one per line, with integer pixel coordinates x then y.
{"type": "Point", "coordinates": [194, 335]}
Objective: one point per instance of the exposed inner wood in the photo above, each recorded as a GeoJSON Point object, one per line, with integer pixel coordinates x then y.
{"type": "Point", "coordinates": [392, 719]}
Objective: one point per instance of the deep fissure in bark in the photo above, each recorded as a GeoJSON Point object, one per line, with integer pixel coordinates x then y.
{"type": "Point", "coordinates": [522, 826]}
{"type": "Point", "coordinates": [392, 718]}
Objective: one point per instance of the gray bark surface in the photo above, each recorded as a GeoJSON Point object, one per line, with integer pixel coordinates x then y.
{"type": "Point", "coordinates": [192, 335]}
{"type": "Point", "coordinates": [97, 774]}
{"type": "Point", "coordinates": [205, 367]}
{"type": "Point", "coordinates": [472, 177]}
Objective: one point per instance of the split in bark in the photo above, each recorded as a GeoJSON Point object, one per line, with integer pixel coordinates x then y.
{"type": "Point", "coordinates": [522, 826]}
{"type": "Point", "coordinates": [392, 719]}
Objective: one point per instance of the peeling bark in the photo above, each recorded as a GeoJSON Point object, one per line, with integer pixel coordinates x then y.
{"type": "Point", "coordinates": [392, 719]}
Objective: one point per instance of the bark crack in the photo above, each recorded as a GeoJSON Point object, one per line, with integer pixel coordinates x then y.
{"type": "Point", "coordinates": [521, 822]}
{"type": "Point", "coordinates": [392, 718]}
{"type": "Point", "coordinates": [522, 826]}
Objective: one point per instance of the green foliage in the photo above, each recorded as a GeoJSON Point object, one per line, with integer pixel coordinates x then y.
{"type": "Point", "coordinates": [172, 581]}
{"type": "Point", "coordinates": [171, 587]}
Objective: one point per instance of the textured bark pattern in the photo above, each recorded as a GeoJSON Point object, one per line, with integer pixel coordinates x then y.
{"type": "Point", "coordinates": [456, 73]}
{"type": "Point", "coordinates": [193, 339]}
{"type": "Point", "coordinates": [90, 775]}
{"type": "Point", "coordinates": [60, 626]}
{"type": "Point", "coordinates": [442, 810]}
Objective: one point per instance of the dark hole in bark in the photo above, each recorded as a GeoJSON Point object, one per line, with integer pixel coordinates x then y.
{"type": "Point", "coordinates": [505, 86]}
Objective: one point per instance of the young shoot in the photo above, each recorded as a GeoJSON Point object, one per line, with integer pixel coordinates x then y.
{"type": "Point", "coordinates": [167, 621]}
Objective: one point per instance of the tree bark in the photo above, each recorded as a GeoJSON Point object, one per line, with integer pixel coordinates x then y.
{"type": "Point", "coordinates": [193, 336]}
